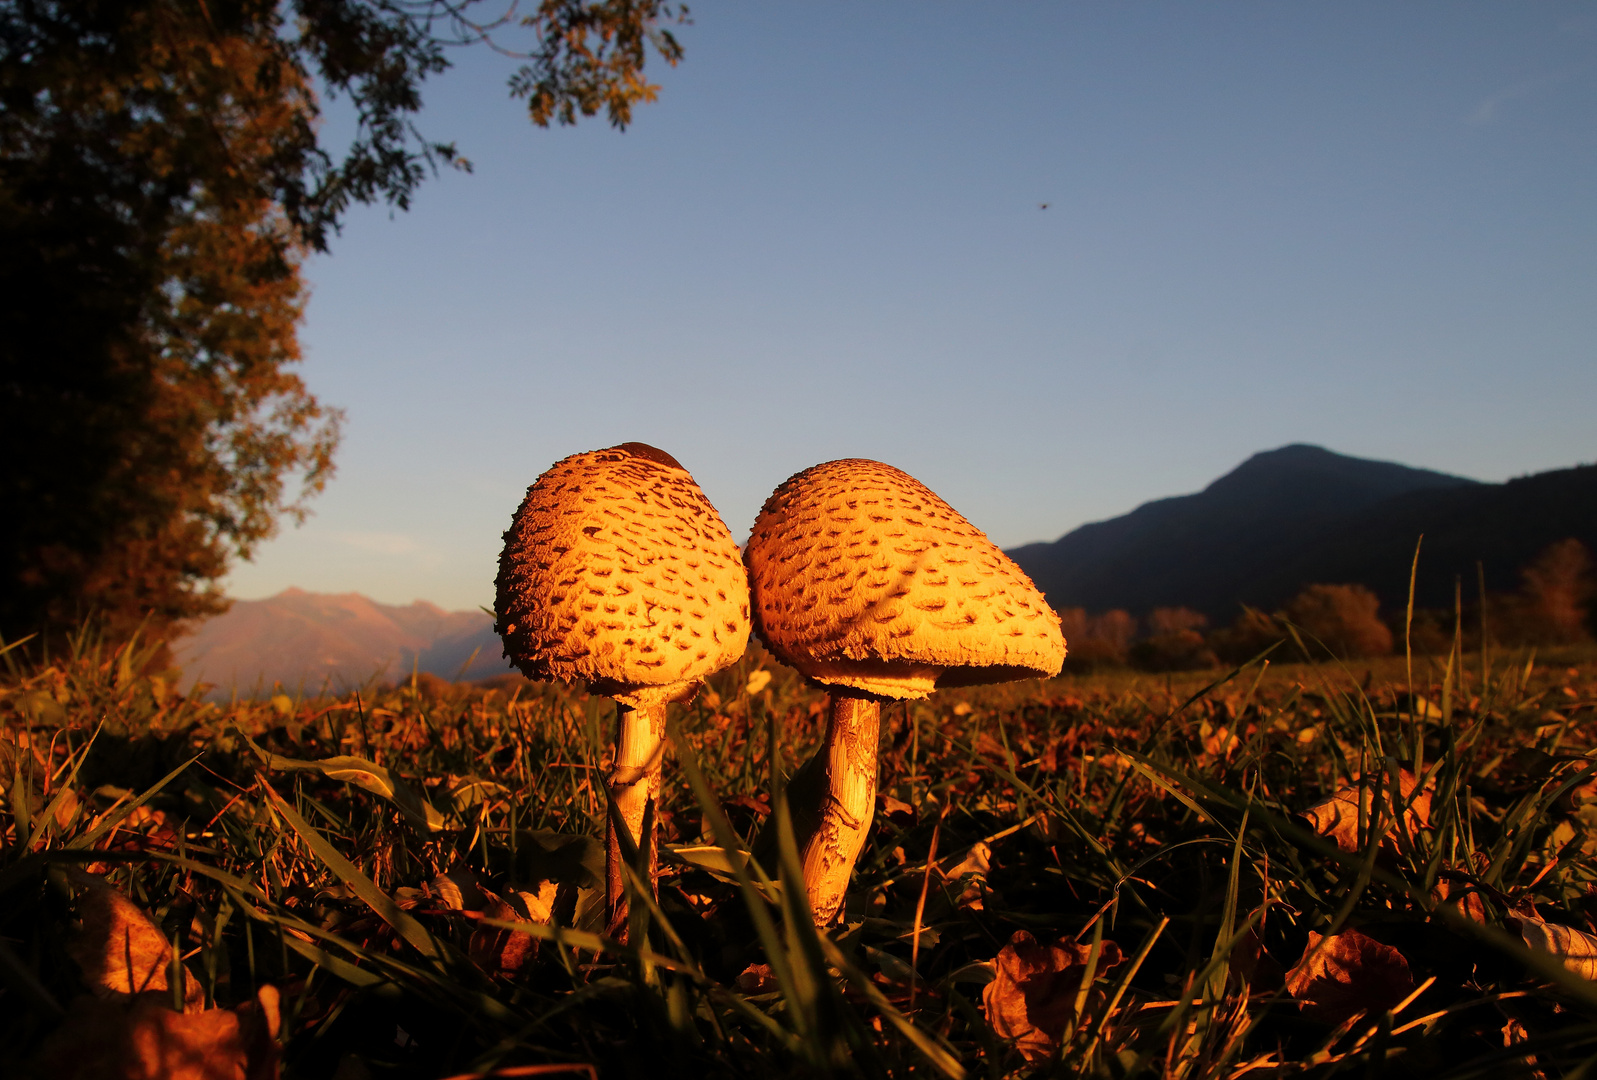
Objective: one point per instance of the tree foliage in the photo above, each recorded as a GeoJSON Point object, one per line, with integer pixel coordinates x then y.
{"type": "Point", "coordinates": [1553, 605]}
{"type": "Point", "coordinates": [1343, 618]}
{"type": "Point", "coordinates": [162, 175]}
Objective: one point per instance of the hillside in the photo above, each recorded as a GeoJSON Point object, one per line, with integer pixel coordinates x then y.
{"type": "Point", "coordinates": [300, 638]}
{"type": "Point", "coordinates": [1301, 514]}
{"type": "Point", "coordinates": [1500, 526]}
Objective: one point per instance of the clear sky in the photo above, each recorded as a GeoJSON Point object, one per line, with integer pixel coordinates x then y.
{"type": "Point", "coordinates": [1371, 226]}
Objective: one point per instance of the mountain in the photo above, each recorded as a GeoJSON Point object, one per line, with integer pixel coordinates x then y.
{"type": "Point", "coordinates": [1302, 514]}
{"type": "Point", "coordinates": [1484, 530]}
{"type": "Point", "coordinates": [304, 639]}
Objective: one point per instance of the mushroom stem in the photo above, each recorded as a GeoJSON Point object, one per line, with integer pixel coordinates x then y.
{"type": "Point", "coordinates": [846, 791]}
{"type": "Point", "coordinates": [634, 785]}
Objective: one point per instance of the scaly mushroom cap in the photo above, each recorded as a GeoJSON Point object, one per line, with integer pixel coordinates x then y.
{"type": "Point", "coordinates": [861, 577]}
{"type": "Point", "coordinates": [618, 572]}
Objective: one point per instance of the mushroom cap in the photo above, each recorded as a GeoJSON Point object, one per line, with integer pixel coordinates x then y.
{"type": "Point", "coordinates": [862, 578]}
{"type": "Point", "coordinates": [617, 572]}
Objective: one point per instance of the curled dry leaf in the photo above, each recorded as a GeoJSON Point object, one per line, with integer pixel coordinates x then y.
{"type": "Point", "coordinates": [1348, 973]}
{"type": "Point", "coordinates": [1032, 997]}
{"type": "Point", "coordinates": [1218, 742]}
{"type": "Point", "coordinates": [458, 890]}
{"type": "Point", "coordinates": [1337, 817]}
{"type": "Point", "coordinates": [1576, 949]}
{"type": "Point", "coordinates": [143, 1039]}
{"type": "Point", "coordinates": [412, 806]}
{"type": "Point", "coordinates": [504, 952]}
{"type": "Point", "coordinates": [756, 979]}
{"type": "Point", "coordinates": [898, 811]}
{"type": "Point", "coordinates": [1463, 898]}
{"type": "Point", "coordinates": [970, 875]}
{"type": "Point", "coordinates": [118, 949]}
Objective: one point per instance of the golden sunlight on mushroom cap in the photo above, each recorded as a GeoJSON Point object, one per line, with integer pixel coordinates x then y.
{"type": "Point", "coordinates": [618, 572]}
{"type": "Point", "coordinates": [861, 577]}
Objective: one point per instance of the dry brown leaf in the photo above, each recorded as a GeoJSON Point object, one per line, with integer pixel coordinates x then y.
{"type": "Point", "coordinates": [1218, 742]}
{"type": "Point", "coordinates": [1514, 1033]}
{"type": "Point", "coordinates": [143, 1039]}
{"type": "Point", "coordinates": [970, 874]}
{"type": "Point", "coordinates": [1032, 997]}
{"type": "Point", "coordinates": [208, 1045]}
{"type": "Point", "coordinates": [119, 950]}
{"type": "Point", "coordinates": [458, 890]}
{"type": "Point", "coordinates": [1348, 973]}
{"type": "Point", "coordinates": [503, 952]}
{"type": "Point", "coordinates": [539, 906]}
{"type": "Point", "coordinates": [1577, 950]}
{"type": "Point", "coordinates": [1463, 898]}
{"type": "Point", "coordinates": [67, 809]}
{"type": "Point", "coordinates": [1337, 817]}
{"type": "Point", "coordinates": [756, 979]}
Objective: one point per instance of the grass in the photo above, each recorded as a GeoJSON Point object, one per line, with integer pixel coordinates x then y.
{"type": "Point", "coordinates": [430, 909]}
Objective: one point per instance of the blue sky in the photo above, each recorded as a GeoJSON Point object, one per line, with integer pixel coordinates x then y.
{"type": "Point", "coordinates": [1364, 225]}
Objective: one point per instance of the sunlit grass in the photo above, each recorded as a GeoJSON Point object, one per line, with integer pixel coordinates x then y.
{"type": "Point", "coordinates": [1149, 819]}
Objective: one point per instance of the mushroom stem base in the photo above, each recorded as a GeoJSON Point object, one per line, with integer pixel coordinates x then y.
{"type": "Point", "coordinates": [634, 784]}
{"type": "Point", "coordinates": [847, 802]}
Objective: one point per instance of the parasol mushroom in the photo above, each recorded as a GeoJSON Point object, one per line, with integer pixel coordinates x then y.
{"type": "Point", "coordinates": [618, 572]}
{"type": "Point", "coordinates": [869, 584]}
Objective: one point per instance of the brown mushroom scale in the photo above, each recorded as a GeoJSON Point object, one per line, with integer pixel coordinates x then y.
{"type": "Point", "coordinates": [871, 585]}
{"type": "Point", "coordinates": [618, 572]}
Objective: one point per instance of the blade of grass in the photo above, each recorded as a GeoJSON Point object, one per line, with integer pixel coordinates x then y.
{"type": "Point", "coordinates": [759, 913]}
{"type": "Point", "coordinates": [116, 817]}
{"type": "Point", "coordinates": [358, 883]}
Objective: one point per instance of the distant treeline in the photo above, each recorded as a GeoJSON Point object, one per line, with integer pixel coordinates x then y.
{"type": "Point", "coordinates": [1552, 606]}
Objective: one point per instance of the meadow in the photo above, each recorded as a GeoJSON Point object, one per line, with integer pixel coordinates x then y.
{"type": "Point", "coordinates": [1284, 869]}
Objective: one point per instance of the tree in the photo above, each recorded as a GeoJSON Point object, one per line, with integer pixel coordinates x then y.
{"type": "Point", "coordinates": [1174, 643]}
{"type": "Point", "coordinates": [161, 178]}
{"type": "Point", "coordinates": [1343, 618]}
{"type": "Point", "coordinates": [1554, 594]}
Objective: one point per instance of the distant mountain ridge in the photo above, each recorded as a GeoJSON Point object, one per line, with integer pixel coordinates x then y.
{"type": "Point", "coordinates": [1283, 519]}
{"type": "Point", "coordinates": [1301, 515]}
{"type": "Point", "coordinates": [310, 640]}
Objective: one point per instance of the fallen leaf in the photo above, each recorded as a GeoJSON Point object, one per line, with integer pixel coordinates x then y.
{"type": "Point", "coordinates": [979, 860]}
{"type": "Point", "coordinates": [1346, 974]}
{"type": "Point", "coordinates": [971, 874]}
{"type": "Point", "coordinates": [901, 812]}
{"type": "Point", "coordinates": [504, 952]}
{"type": "Point", "coordinates": [1577, 950]}
{"type": "Point", "coordinates": [415, 809]}
{"type": "Point", "coordinates": [118, 949]}
{"type": "Point", "coordinates": [1337, 817]}
{"type": "Point", "coordinates": [66, 809]}
{"type": "Point", "coordinates": [1463, 898]}
{"type": "Point", "coordinates": [1032, 997]}
{"type": "Point", "coordinates": [756, 979]}
{"type": "Point", "coordinates": [539, 905]}
{"type": "Point", "coordinates": [143, 1039]}
{"type": "Point", "coordinates": [466, 792]}
{"type": "Point", "coordinates": [458, 890]}
{"type": "Point", "coordinates": [1218, 742]}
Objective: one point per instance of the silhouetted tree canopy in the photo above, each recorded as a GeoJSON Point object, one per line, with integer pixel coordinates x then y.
{"type": "Point", "coordinates": [161, 176]}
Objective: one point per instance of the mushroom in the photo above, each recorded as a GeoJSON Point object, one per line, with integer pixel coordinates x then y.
{"type": "Point", "coordinates": [617, 572]}
{"type": "Point", "coordinates": [872, 586]}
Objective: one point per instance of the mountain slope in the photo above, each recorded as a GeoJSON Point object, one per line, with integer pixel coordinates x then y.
{"type": "Point", "coordinates": [313, 640]}
{"type": "Point", "coordinates": [1499, 527]}
{"type": "Point", "coordinates": [1230, 543]}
